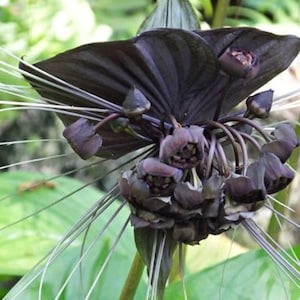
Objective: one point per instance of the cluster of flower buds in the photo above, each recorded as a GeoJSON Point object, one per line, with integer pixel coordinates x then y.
{"type": "Point", "coordinates": [204, 181]}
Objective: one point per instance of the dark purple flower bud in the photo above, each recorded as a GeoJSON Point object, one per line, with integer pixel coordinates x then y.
{"type": "Point", "coordinates": [239, 63]}
{"type": "Point", "coordinates": [249, 188]}
{"type": "Point", "coordinates": [277, 175]}
{"type": "Point", "coordinates": [239, 188]}
{"type": "Point", "coordinates": [282, 149]}
{"type": "Point", "coordinates": [82, 138]}
{"type": "Point", "coordinates": [285, 132]}
{"type": "Point", "coordinates": [184, 148]}
{"type": "Point", "coordinates": [160, 177]}
{"type": "Point", "coordinates": [285, 143]}
{"type": "Point", "coordinates": [135, 103]}
{"type": "Point", "coordinates": [259, 105]}
{"type": "Point", "coordinates": [188, 196]}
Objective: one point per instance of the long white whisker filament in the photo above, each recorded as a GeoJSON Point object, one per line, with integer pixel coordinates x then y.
{"type": "Point", "coordinates": [76, 230]}
{"type": "Point", "coordinates": [152, 265]}
{"type": "Point", "coordinates": [278, 246]}
{"type": "Point", "coordinates": [9, 143]}
{"type": "Point", "coordinates": [107, 259]}
{"type": "Point", "coordinates": [72, 234]}
{"type": "Point", "coordinates": [282, 262]}
{"type": "Point", "coordinates": [277, 214]}
{"type": "Point", "coordinates": [55, 177]}
{"type": "Point", "coordinates": [50, 110]}
{"type": "Point", "coordinates": [67, 87]}
{"type": "Point", "coordinates": [61, 106]}
{"type": "Point", "coordinates": [286, 97]}
{"type": "Point", "coordinates": [280, 203]}
{"type": "Point", "coordinates": [89, 248]}
{"type": "Point", "coordinates": [181, 270]}
{"type": "Point", "coordinates": [158, 261]}
{"type": "Point", "coordinates": [282, 216]}
{"type": "Point", "coordinates": [35, 160]}
{"type": "Point", "coordinates": [53, 203]}
{"type": "Point", "coordinates": [221, 285]}
{"type": "Point", "coordinates": [292, 105]}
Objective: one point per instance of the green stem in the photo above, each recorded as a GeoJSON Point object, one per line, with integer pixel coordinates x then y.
{"type": "Point", "coordinates": [133, 278]}
{"type": "Point", "coordinates": [220, 13]}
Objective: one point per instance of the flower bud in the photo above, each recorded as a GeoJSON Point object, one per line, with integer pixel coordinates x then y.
{"type": "Point", "coordinates": [285, 132]}
{"type": "Point", "coordinates": [135, 103]}
{"type": "Point", "coordinates": [82, 138]}
{"type": "Point", "coordinates": [259, 105]}
{"type": "Point", "coordinates": [277, 175]}
{"type": "Point", "coordinates": [285, 143]}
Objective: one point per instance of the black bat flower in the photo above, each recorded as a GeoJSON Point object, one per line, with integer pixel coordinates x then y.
{"type": "Point", "coordinates": [176, 90]}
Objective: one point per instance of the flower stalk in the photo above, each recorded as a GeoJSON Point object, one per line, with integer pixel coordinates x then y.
{"type": "Point", "coordinates": [220, 13]}
{"type": "Point", "coordinates": [133, 279]}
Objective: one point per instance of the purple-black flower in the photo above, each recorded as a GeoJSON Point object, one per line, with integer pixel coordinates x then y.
{"type": "Point", "coordinates": [176, 91]}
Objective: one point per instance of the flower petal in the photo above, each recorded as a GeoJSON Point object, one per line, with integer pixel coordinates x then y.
{"type": "Point", "coordinates": [275, 54]}
{"type": "Point", "coordinates": [168, 66]}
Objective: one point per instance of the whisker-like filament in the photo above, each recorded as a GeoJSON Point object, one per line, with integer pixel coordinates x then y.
{"type": "Point", "coordinates": [281, 203]}
{"type": "Point", "coordinates": [283, 216]}
{"type": "Point", "coordinates": [35, 160]}
{"type": "Point", "coordinates": [78, 189]}
{"type": "Point", "coordinates": [181, 269]}
{"type": "Point", "coordinates": [62, 112]}
{"type": "Point", "coordinates": [111, 251]}
{"type": "Point", "coordinates": [67, 87]}
{"type": "Point", "coordinates": [278, 214]}
{"type": "Point", "coordinates": [50, 205]}
{"type": "Point", "coordinates": [33, 185]}
{"type": "Point", "coordinates": [9, 143]}
{"type": "Point", "coordinates": [59, 106]}
{"type": "Point", "coordinates": [90, 246]}
{"type": "Point", "coordinates": [71, 235]}
{"type": "Point", "coordinates": [158, 261]}
{"type": "Point", "coordinates": [287, 97]}
{"type": "Point", "coordinates": [280, 260]}
{"type": "Point", "coordinates": [152, 265]}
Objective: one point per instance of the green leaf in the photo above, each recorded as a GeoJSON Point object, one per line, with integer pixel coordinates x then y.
{"type": "Point", "coordinates": [172, 14]}
{"type": "Point", "coordinates": [23, 244]}
{"type": "Point", "coordinates": [248, 276]}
